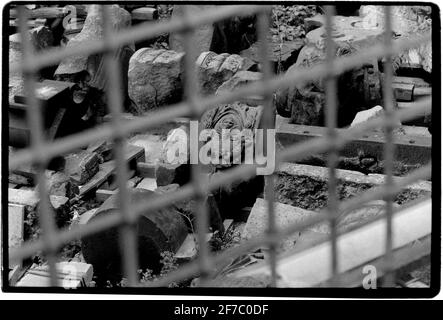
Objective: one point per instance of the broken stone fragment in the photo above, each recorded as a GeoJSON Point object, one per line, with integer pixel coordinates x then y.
{"type": "Point", "coordinates": [40, 38]}
{"type": "Point", "coordinates": [157, 232]}
{"type": "Point", "coordinates": [188, 208]}
{"type": "Point", "coordinates": [81, 166]}
{"type": "Point", "coordinates": [241, 79]}
{"type": "Point", "coordinates": [59, 184]}
{"type": "Point", "coordinates": [103, 149]}
{"type": "Point", "coordinates": [30, 200]}
{"type": "Point", "coordinates": [214, 69]}
{"type": "Point", "coordinates": [172, 173]}
{"type": "Point", "coordinates": [366, 115]}
{"type": "Point", "coordinates": [155, 78]}
{"type": "Point", "coordinates": [19, 179]}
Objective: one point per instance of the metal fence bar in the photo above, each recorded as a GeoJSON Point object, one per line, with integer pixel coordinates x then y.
{"type": "Point", "coordinates": [35, 123]}
{"type": "Point", "coordinates": [268, 122]}
{"type": "Point", "coordinates": [389, 147]}
{"type": "Point", "coordinates": [293, 153]}
{"type": "Point", "coordinates": [66, 144]}
{"type": "Point", "coordinates": [331, 122]}
{"type": "Point", "coordinates": [128, 229]}
{"type": "Point", "coordinates": [192, 90]}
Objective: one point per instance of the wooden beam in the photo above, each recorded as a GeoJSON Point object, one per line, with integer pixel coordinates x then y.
{"type": "Point", "coordinates": [356, 248]}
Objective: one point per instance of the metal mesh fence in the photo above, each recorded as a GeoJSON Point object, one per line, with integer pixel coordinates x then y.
{"type": "Point", "coordinates": [41, 151]}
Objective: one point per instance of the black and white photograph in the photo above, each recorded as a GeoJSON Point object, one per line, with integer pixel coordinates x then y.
{"type": "Point", "coordinates": [264, 149]}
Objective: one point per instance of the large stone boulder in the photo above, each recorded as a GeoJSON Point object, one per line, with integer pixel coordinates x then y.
{"type": "Point", "coordinates": [157, 232]}
{"type": "Point", "coordinates": [155, 78]}
{"type": "Point", "coordinates": [357, 90]}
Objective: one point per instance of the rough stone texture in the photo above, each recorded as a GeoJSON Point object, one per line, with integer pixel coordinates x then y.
{"type": "Point", "coordinates": [285, 215]}
{"type": "Point", "coordinates": [240, 79]}
{"type": "Point", "coordinates": [407, 21]}
{"type": "Point", "coordinates": [281, 54]}
{"type": "Point", "coordinates": [358, 89]}
{"type": "Point", "coordinates": [158, 231]}
{"type": "Point", "coordinates": [172, 173]}
{"type": "Point", "coordinates": [81, 166]}
{"type": "Point", "coordinates": [306, 186]}
{"type": "Point", "coordinates": [16, 216]}
{"type": "Point", "coordinates": [366, 115]}
{"type": "Point", "coordinates": [18, 179]}
{"type": "Point", "coordinates": [203, 34]}
{"type": "Point", "coordinates": [59, 184]}
{"type": "Point", "coordinates": [91, 68]}
{"type": "Point", "coordinates": [30, 199]}
{"type": "Point", "coordinates": [155, 78]}
{"type": "Point", "coordinates": [214, 69]}
{"type": "Point", "coordinates": [41, 38]}
{"type": "Point", "coordinates": [187, 208]}
{"type": "Point", "coordinates": [231, 116]}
